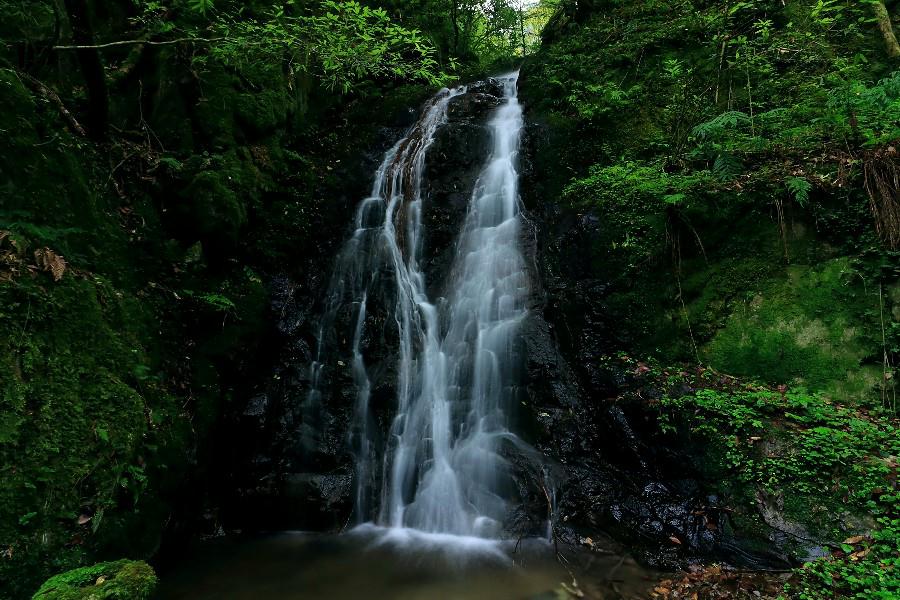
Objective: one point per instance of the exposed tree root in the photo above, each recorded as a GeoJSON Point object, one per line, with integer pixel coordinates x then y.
{"type": "Point", "coordinates": [881, 171]}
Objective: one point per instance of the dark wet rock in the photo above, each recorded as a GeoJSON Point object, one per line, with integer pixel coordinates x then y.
{"type": "Point", "coordinates": [490, 86]}
{"type": "Point", "coordinates": [257, 406]}
{"type": "Point", "coordinates": [327, 493]}
{"type": "Point", "coordinates": [619, 479]}
{"type": "Point", "coordinates": [477, 102]}
{"type": "Point", "coordinates": [453, 163]}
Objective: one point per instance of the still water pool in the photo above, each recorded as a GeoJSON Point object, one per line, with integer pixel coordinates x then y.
{"type": "Point", "coordinates": [377, 564]}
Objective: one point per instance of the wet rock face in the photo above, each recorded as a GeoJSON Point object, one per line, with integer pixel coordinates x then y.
{"type": "Point", "coordinates": [454, 162]}
{"type": "Point", "coordinates": [613, 476]}
{"type": "Point", "coordinates": [286, 460]}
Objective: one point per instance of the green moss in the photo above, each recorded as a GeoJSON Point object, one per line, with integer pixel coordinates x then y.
{"type": "Point", "coordinates": [40, 168]}
{"type": "Point", "coordinates": [83, 408]}
{"type": "Point", "coordinates": [809, 328]}
{"type": "Point", "coordinates": [213, 114]}
{"type": "Point", "coordinates": [81, 404]}
{"type": "Point", "coordinates": [118, 580]}
{"type": "Point", "coordinates": [214, 207]}
{"type": "Point", "coordinates": [261, 113]}
{"type": "Point", "coordinates": [231, 110]}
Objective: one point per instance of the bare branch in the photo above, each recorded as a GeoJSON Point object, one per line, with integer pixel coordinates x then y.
{"type": "Point", "coordinates": [50, 95]}
{"type": "Point", "coordinates": [133, 42]}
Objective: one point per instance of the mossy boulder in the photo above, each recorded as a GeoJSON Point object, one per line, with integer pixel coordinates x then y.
{"type": "Point", "coordinates": [88, 429]}
{"type": "Point", "coordinates": [262, 112]}
{"type": "Point", "coordinates": [89, 432]}
{"type": "Point", "coordinates": [116, 580]}
{"type": "Point", "coordinates": [215, 210]}
{"type": "Point", "coordinates": [810, 328]}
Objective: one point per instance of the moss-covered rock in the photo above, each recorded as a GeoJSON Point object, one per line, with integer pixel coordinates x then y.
{"type": "Point", "coordinates": [261, 113]}
{"type": "Point", "coordinates": [713, 234]}
{"type": "Point", "coordinates": [117, 580]}
{"type": "Point", "coordinates": [213, 207]}
{"type": "Point", "coordinates": [813, 328]}
{"type": "Point", "coordinates": [89, 425]}
{"type": "Point", "coordinates": [90, 431]}
{"type": "Point", "coordinates": [213, 111]}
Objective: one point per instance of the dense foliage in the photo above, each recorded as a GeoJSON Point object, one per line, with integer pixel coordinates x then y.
{"type": "Point", "coordinates": [344, 43]}
{"type": "Point", "coordinates": [741, 161]}
{"type": "Point", "coordinates": [702, 119]}
{"type": "Point", "coordinates": [785, 456]}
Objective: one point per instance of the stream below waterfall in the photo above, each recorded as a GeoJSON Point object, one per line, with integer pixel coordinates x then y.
{"type": "Point", "coordinates": [365, 564]}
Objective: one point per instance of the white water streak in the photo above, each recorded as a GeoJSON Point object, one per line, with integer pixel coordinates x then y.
{"type": "Point", "coordinates": [442, 469]}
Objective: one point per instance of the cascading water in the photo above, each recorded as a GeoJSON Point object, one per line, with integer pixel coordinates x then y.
{"type": "Point", "coordinates": [442, 469]}
{"type": "Point", "coordinates": [445, 453]}
{"type": "Point", "coordinates": [374, 244]}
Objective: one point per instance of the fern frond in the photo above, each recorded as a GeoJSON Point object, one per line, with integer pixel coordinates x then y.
{"type": "Point", "coordinates": [714, 127]}
{"type": "Point", "coordinates": [799, 187]}
{"type": "Point", "coordinates": [727, 166]}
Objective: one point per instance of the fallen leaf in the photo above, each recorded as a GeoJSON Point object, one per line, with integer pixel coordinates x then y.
{"type": "Point", "coordinates": [860, 554]}
{"type": "Point", "coordinates": [675, 540]}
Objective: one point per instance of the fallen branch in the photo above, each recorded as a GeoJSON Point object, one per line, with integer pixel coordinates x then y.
{"type": "Point", "coordinates": [133, 42]}
{"type": "Point", "coordinates": [50, 95]}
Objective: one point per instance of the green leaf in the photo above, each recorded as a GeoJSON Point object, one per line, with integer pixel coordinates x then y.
{"type": "Point", "coordinates": [799, 187]}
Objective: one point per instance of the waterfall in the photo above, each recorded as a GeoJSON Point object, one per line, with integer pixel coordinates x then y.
{"type": "Point", "coordinates": [442, 468]}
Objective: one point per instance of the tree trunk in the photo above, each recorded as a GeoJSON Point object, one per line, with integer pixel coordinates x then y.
{"type": "Point", "coordinates": [454, 16]}
{"type": "Point", "coordinates": [91, 68]}
{"type": "Point", "coordinates": [887, 31]}
{"type": "Point", "coordinates": [521, 11]}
